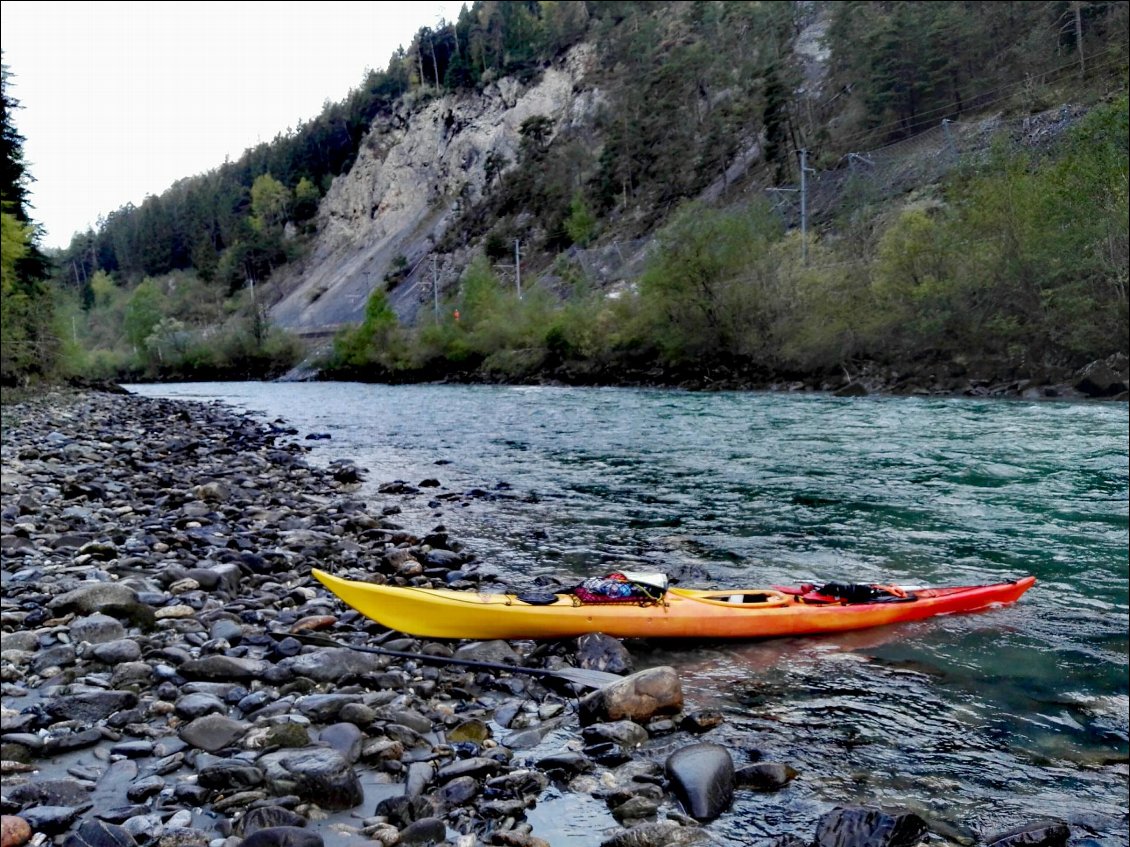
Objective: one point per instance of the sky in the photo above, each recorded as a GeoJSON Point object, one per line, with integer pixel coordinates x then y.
{"type": "Point", "coordinates": [119, 100]}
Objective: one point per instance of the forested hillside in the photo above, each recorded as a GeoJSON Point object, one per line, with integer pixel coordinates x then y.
{"type": "Point", "coordinates": [961, 210]}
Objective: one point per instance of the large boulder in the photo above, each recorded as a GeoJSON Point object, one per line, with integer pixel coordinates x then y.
{"type": "Point", "coordinates": [639, 697]}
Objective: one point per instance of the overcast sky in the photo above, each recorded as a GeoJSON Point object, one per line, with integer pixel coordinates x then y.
{"type": "Point", "coordinates": [121, 99]}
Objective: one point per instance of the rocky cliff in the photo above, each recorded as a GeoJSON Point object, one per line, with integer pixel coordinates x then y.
{"type": "Point", "coordinates": [416, 169]}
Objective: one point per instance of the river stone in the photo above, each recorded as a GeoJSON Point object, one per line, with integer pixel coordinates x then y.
{"type": "Point", "coordinates": [94, 597]}
{"type": "Point", "coordinates": [212, 732]}
{"type": "Point", "coordinates": [1047, 833]}
{"type": "Point", "coordinates": [182, 836]}
{"type": "Point", "coordinates": [50, 820]}
{"type": "Point", "coordinates": [765, 776]}
{"type": "Point", "coordinates": [702, 777]}
{"type": "Point", "coordinates": [498, 652]}
{"type": "Point", "coordinates": [56, 656]}
{"type": "Point", "coordinates": [224, 667]}
{"type": "Point", "coordinates": [866, 827]}
{"type": "Point", "coordinates": [459, 791]}
{"type": "Point", "coordinates": [89, 707]}
{"type": "Point", "coordinates": [627, 734]}
{"type": "Point", "coordinates": [656, 834]}
{"type": "Point", "coordinates": [599, 652]}
{"type": "Point", "coordinates": [401, 811]}
{"type": "Point", "coordinates": [229, 774]}
{"type": "Point", "coordinates": [116, 652]}
{"type": "Point", "coordinates": [282, 836]}
{"type": "Point", "coordinates": [265, 817]}
{"type": "Point", "coordinates": [14, 831]}
{"type": "Point", "coordinates": [345, 738]}
{"type": "Point", "coordinates": [97, 629]}
{"type": "Point", "coordinates": [638, 697]}
{"type": "Point", "coordinates": [324, 707]}
{"type": "Point", "coordinates": [424, 831]}
{"type": "Point", "coordinates": [332, 664]}
{"type": "Point", "coordinates": [317, 774]}
{"type": "Point", "coordinates": [96, 833]}
{"type": "Point", "coordinates": [192, 706]}
{"type": "Point", "coordinates": [50, 792]}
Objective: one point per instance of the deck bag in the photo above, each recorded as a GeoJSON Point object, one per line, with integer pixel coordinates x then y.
{"type": "Point", "coordinates": [853, 592]}
{"type": "Point", "coordinates": [623, 587]}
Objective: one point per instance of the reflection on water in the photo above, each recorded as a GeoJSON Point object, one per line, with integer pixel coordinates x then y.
{"type": "Point", "coordinates": [977, 722]}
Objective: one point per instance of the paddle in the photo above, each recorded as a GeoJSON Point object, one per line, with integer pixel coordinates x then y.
{"type": "Point", "coordinates": [577, 676]}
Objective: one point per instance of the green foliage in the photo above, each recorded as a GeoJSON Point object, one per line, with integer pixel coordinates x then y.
{"type": "Point", "coordinates": [707, 288]}
{"type": "Point", "coordinates": [581, 223]}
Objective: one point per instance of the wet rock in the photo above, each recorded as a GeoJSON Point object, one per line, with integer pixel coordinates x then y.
{"type": "Point", "coordinates": [212, 732]}
{"type": "Point", "coordinates": [228, 774]}
{"type": "Point", "coordinates": [332, 664]}
{"type": "Point", "coordinates": [224, 667]}
{"type": "Point", "coordinates": [626, 734]}
{"type": "Point", "coordinates": [282, 836]}
{"type": "Point", "coordinates": [638, 697]}
{"type": "Point", "coordinates": [702, 777]}
{"type": "Point", "coordinates": [424, 831]}
{"type": "Point", "coordinates": [1046, 833]}
{"type": "Point", "coordinates": [105, 597]}
{"type": "Point", "coordinates": [867, 827]}
{"type": "Point", "coordinates": [96, 833]}
{"type": "Point", "coordinates": [116, 652]}
{"type": "Point", "coordinates": [600, 652]}
{"type": "Point", "coordinates": [50, 820]}
{"type": "Point", "coordinates": [656, 834]}
{"type": "Point", "coordinates": [319, 775]}
{"type": "Point", "coordinates": [765, 776]}
{"type": "Point", "coordinates": [51, 792]}
{"type": "Point", "coordinates": [265, 817]}
{"type": "Point", "coordinates": [97, 629]}
{"type": "Point", "coordinates": [345, 738]}
{"type": "Point", "coordinates": [89, 707]}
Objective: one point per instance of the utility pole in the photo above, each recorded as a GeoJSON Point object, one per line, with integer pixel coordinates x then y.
{"type": "Point", "coordinates": [518, 266]}
{"type": "Point", "coordinates": [435, 289]}
{"type": "Point", "coordinates": [804, 205]}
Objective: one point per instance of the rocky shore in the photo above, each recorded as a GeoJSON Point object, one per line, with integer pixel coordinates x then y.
{"type": "Point", "coordinates": [162, 686]}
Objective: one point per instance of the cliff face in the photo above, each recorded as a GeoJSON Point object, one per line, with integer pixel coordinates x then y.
{"type": "Point", "coordinates": [414, 170]}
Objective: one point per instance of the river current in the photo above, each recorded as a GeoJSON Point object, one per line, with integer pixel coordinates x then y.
{"type": "Point", "coordinates": [977, 722]}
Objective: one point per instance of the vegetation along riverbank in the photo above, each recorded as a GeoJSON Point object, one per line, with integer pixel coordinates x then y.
{"type": "Point", "coordinates": [158, 690]}
{"type": "Point", "coordinates": [917, 197]}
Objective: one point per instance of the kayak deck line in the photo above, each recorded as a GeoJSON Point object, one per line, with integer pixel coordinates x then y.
{"type": "Point", "coordinates": [737, 613]}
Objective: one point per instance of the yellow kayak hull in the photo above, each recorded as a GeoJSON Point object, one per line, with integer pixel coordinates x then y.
{"type": "Point", "coordinates": [684, 613]}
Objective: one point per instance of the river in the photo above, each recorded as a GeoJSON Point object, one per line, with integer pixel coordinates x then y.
{"type": "Point", "coordinates": [978, 722]}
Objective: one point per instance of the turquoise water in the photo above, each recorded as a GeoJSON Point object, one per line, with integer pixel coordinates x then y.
{"type": "Point", "coordinates": [979, 722]}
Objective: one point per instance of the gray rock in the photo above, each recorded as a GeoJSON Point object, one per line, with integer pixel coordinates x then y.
{"type": "Point", "coordinates": [1046, 833]}
{"type": "Point", "coordinates": [116, 652]}
{"type": "Point", "coordinates": [600, 652]}
{"type": "Point", "coordinates": [345, 738]}
{"type": "Point", "coordinates": [765, 776]}
{"type": "Point", "coordinates": [224, 667]}
{"type": "Point", "coordinates": [50, 820]}
{"type": "Point", "coordinates": [282, 836]}
{"type": "Point", "coordinates": [639, 697]}
{"type": "Point", "coordinates": [96, 833]}
{"type": "Point", "coordinates": [656, 834]}
{"type": "Point", "coordinates": [865, 827]}
{"type": "Point", "coordinates": [97, 629]}
{"type": "Point", "coordinates": [229, 775]}
{"type": "Point", "coordinates": [212, 732]}
{"type": "Point", "coordinates": [317, 774]}
{"type": "Point", "coordinates": [266, 817]}
{"type": "Point", "coordinates": [192, 706]}
{"type": "Point", "coordinates": [89, 707]}
{"type": "Point", "coordinates": [702, 777]}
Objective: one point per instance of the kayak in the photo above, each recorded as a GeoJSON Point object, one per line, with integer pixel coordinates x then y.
{"type": "Point", "coordinates": [678, 613]}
